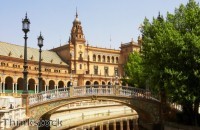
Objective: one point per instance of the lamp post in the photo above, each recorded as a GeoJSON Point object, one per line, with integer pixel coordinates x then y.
{"type": "Point", "coordinates": [25, 28]}
{"type": "Point", "coordinates": [40, 44]}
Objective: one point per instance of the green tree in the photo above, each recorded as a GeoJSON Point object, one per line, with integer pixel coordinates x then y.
{"type": "Point", "coordinates": [134, 70]}
{"type": "Point", "coordinates": [171, 55]}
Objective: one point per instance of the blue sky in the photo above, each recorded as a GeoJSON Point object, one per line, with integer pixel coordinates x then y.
{"type": "Point", "coordinates": [101, 19]}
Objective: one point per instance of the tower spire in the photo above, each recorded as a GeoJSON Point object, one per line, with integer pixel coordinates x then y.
{"type": "Point", "coordinates": [76, 13]}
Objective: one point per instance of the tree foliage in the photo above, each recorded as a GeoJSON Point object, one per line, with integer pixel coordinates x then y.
{"type": "Point", "coordinates": [134, 70]}
{"type": "Point", "coordinates": [171, 56]}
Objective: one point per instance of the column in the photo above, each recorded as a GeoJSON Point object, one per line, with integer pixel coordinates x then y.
{"type": "Point", "coordinates": [13, 87]}
{"type": "Point", "coordinates": [101, 126]}
{"type": "Point", "coordinates": [121, 124]}
{"type": "Point", "coordinates": [114, 125]}
{"type": "Point", "coordinates": [128, 127]}
{"type": "Point", "coordinates": [135, 124]}
{"type": "Point", "coordinates": [27, 86]}
{"type": "Point", "coordinates": [107, 126]}
{"type": "Point", "coordinates": [35, 88]}
{"type": "Point", "coordinates": [45, 88]}
{"type": "Point", "coordinates": [56, 88]}
{"type": "Point", "coordinates": [93, 128]}
{"type": "Point", "coordinates": [3, 87]}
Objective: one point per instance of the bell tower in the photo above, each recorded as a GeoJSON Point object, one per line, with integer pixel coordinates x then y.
{"type": "Point", "coordinates": [78, 48]}
{"type": "Point", "coordinates": [77, 32]}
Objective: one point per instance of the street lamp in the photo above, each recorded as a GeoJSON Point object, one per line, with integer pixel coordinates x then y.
{"type": "Point", "coordinates": [40, 44]}
{"type": "Point", "coordinates": [25, 28]}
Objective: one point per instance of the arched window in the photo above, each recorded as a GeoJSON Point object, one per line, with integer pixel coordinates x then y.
{"type": "Point", "coordinates": [99, 58]}
{"type": "Point", "coordinates": [80, 66]}
{"type": "Point", "coordinates": [104, 59]}
{"type": "Point", "coordinates": [94, 57]}
{"type": "Point", "coordinates": [108, 59]}
{"type": "Point", "coordinates": [112, 59]}
{"type": "Point", "coordinates": [117, 59]}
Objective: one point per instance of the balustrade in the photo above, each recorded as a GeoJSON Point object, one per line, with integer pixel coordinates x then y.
{"type": "Point", "coordinates": [89, 90]}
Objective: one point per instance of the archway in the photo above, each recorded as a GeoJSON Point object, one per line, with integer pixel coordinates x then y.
{"type": "Point", "coordinates": [87, 83]}
{"type": "Point", "coordinates": [108, 59]}
{"type": "Point", "coordinates": [99, 58]}
{"type": "Point", "coordinates": [109, 84]}
{"type": "Point", "coordinates": [43, 85]}
{"type": "Point", "coordinates": [51, 84]}
{"type": "Point", "coordinates": [117, 59]}
{"type": "Point", "coordinates": [8, 84]}
{"type": "Point", "coordinates": [103, 84]}
{"type": "Point", "coordinates": [94, 57]}
{"type": "Point", "coordinates": [20, 84]}
{"type": "Point", "coordinates": [146, 114]}
{"type": "Point", "coordinates": [96, 84]}
{"type": "Point", "coordinates": [31, 85]}
{"type": "Point", "coordinates": [60, 84]}
{"type": "Point", "coordinates": [68, 84]}
{"type": "Point", "coordinates": [104, 59]}
{"type": "Point", "coordinates": [112, 59]}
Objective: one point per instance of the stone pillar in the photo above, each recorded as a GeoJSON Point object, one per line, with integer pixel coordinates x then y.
{"type": "Point", "coordinates": [71, 91]}
{"type": "Point", "coordinates": [45, 88]}
{"type": "Point", "coordinates": [35, 88]}
{"type": "Point", "coordinates": [114, 125]}
{"type": "Point", "coordinates": [121, 124]}
{"type": "Point", "coordinates": [128, 127]}
{"type": "Point", "coordinates": [3, 87]}
{"type": "Point", "coordinates": [13, 88]}
{"type": "Point", "coordinates": [101, 126]}
{"type": "Point", "coordinates": [135, 124]}
{"type": "Point", "coordinates": [25, 103]}
{"type": "Point", "coordinates": [107, 126]}
{"type": "Point", "coordinates": [116, 90]}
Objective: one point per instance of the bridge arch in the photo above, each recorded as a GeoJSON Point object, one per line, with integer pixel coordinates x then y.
{"type": "Point", "coordinates": [147, 114]}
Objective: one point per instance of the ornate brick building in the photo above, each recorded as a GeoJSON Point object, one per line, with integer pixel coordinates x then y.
{"type": "Point", "coordinates": [76, 62]}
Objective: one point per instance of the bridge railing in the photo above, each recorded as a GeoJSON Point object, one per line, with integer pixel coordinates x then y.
{"type": "Point", "coordinates": [135, 92]}
{"type": "Point", "coordinates": [49, 95]}
{"type": "Point", "coordinates": [84, 91]}
{"type": "Point", "coordinates": [90, 90]}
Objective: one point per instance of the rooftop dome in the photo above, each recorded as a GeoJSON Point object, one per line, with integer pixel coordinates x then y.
{"type": "Point", "coordinates": [76, 19]}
